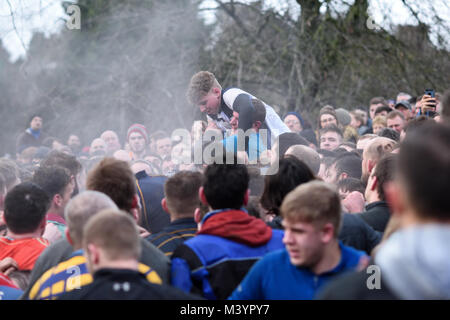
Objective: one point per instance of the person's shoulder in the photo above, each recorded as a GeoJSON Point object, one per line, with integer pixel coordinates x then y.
{"type": "Point", "coordinates": [352, 256]}
{"type": "Point", "coordinates": [150, 248]}
{"type": "Point", "coordinates": [276, 256]}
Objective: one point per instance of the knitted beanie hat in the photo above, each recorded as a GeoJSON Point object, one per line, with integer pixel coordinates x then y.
{"type": "Point", "coordinates": [139, 128]}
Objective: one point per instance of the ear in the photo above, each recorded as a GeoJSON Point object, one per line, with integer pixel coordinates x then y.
{"type": "Point", "coordinates": [256, 125]}
{"type": "Point", "coordinates": [201, 195]}
{"type": "Point", "coordinates": [246, 197]}
{"type": "Point", "coordinates": [374, 183]}
{"type": "Point", "coordinates": [135, 204]}
{"type": "Point", "coordinates": [94, 254]}
{"type": "Point", "coordinates": [57, 200]}
{"type": "Point", "coordinates": [216, 91]}
{"type": "Point", "coordinates": [343, 175]}
{"type": "Point", "coordinates": [328, 232]}
{"type": "Point", "coordinates": [164, 205]}
{"type": "Point", "coordinates": [69, 239]}
{"type": "Point", "coordinates": [197, 216]}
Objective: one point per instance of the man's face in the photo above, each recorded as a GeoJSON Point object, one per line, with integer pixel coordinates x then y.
{"type": "Point", "coordinates": [211, 102]}
{"type": "Point", "coordinates": [331, 174]}
{"type": "Point", "coordinates": [293, 123]}
{"type": "Point", "coordinates": [354, 123]}
{"type": "Point", "coordinates": [67, 193]}
{"type": "Point", "coordinates": [303, 243]}
{"type": "Point", "coordinates": [326, 120]}
{"type": "Point", "coordinates": [396, 123]}
{"type": "Point", "coordinates": [137, 142]}
{"type": "Point", "coordinates": [98, 145]}
{"type": "Point", "coordinates": [112, 140]}
{"type": "Point", "coordinates": [406, 112]}
{"type": "Point", "coordinates": [163, 147]}
{"type": "Point", "coordinates": [377, 128]}
{"type": "Point", "coordinates": [73, 141]}
{"type": "Point", "coordinates": [234, 121]}
{"type": "Point", "coordinates": [373, 108]}
{"type": "Point", "coordinates": [330, 141]}
{"type": "Point", "coordinates": [36, 123]}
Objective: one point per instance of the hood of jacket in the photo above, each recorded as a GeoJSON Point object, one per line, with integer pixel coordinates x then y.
{"type": "Point", "coordinates": [415, 262]}
{"type": "Point", "coordinates": [237, 225]}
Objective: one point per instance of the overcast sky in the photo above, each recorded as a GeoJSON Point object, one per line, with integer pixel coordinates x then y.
{"type": "Point", "coordinates": [20, 18]}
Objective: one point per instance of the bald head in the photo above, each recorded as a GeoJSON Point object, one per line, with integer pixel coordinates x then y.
{"type": "Point", "coordinates": [112, 141]}
{"type": "Point", "coordinates": [81, 208]}
{"type": "Point", "coordinates": [307, 155]}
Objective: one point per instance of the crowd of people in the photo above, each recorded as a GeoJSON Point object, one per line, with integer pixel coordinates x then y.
{"type": "Point", "coordinates": [274, 208]}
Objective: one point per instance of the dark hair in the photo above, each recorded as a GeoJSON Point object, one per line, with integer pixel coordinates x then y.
{"type": "Point", "coordinates": [291, 173]}
{"type": "Point", "coordinates": [327, 153]}
{"type": "Point", "coordinates": [181, 192]}
{"type": "Point", "coordinates": [288, 139]}
{"type": "Point", "coordinates": [350, 163]}
{"type": "Point", "coordinates": [380, 109]}
{"type": "Point", "coordinates": [25, 207]}
{"type": "Point", "coordinates": [331, 128]}
{"type": "Point", "coordinates": [378, 100]}
{"type": "Point", "coordinates": [424, 168]}
{"type": "Point", "coordinates": [52, 180]}
{"type": "Point", "coordinates": [225, 185]}
{"type": "Point", "coordinates": [415, 123]}
{"type": "Point", "coordinates": [385, 172]}
{"type": "Point", "coordinates": [34, 115]}
{"type": "Point", "coordinates": [64, 160]}
{"type": "Point", "coordinates": [309, 136]}
{"type": "Point", "coordinates": [260, 111]}
{"type": "Point", "coordinates": [389, 133]}
{"type": "Point", "coordinates": [351, 184]}
{"type": "Point", "coordinates": [115, 179]}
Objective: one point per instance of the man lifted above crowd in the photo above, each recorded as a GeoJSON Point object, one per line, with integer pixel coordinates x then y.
{"type": "Point", "coordinates": [206, 93]}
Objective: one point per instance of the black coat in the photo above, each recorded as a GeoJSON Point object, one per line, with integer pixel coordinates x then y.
{"type": "Point", "coordinates": [377, 215]}
{"type": "Point", "coordinates": [353, 286]}
{"type": "Point", "coordinates": [125, 284]}
{"type": "Point", "coordinates": [358, 234]}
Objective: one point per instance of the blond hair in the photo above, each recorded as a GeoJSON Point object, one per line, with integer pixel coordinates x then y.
{"type": "Point", "coordinates": [200, 85]}
{"type": "Point", "coordinates": [378, 147]}
{"type": "Point", "coordinates": [381, 120]}
{"type": "Point", "coordinates": [314, 202]}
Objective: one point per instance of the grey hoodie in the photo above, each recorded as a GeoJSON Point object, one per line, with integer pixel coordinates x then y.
{"type": "Point", "coordinates": [415, 262]}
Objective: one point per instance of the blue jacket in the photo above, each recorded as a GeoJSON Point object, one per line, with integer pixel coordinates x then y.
{"type": "Point", "coordinates": [275, 278]}
{"type": "Point", "coordinates": [212, 266]}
